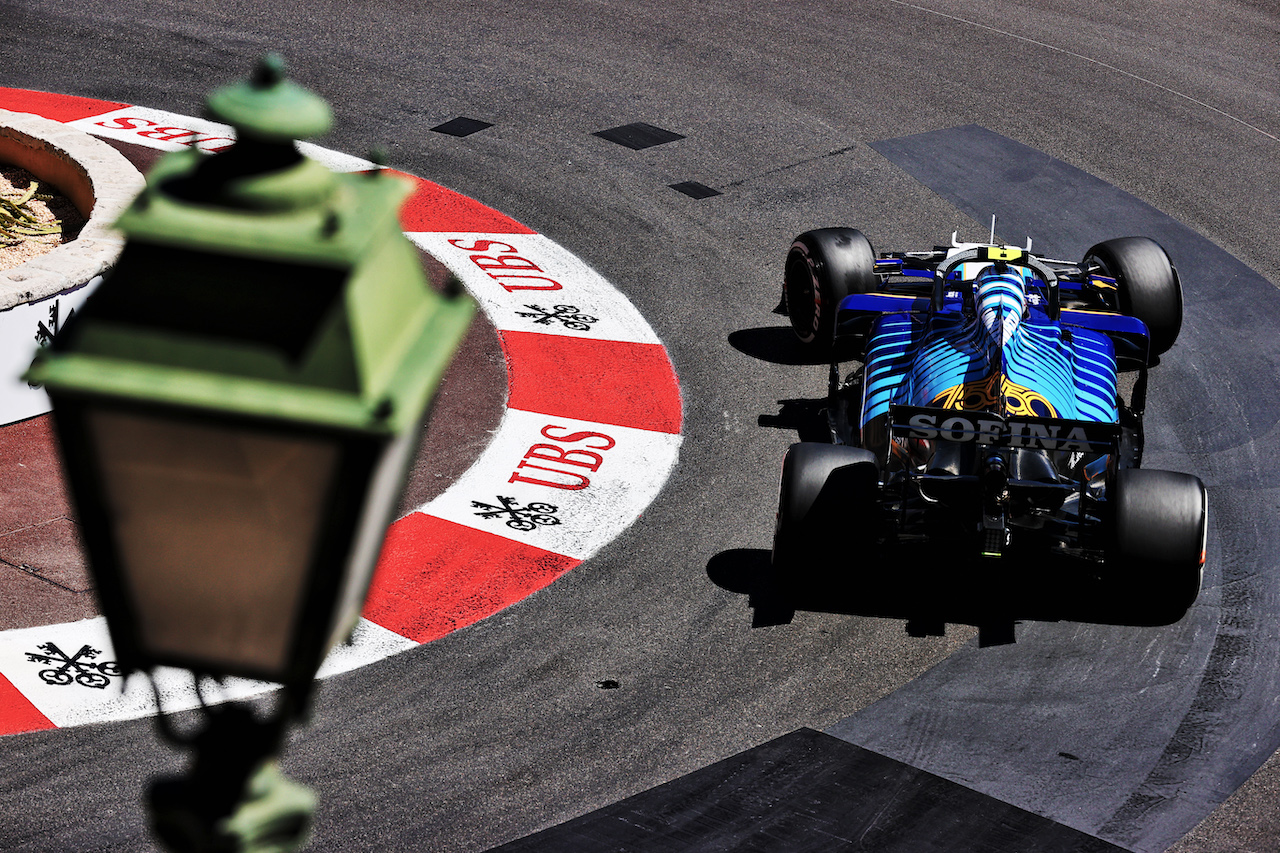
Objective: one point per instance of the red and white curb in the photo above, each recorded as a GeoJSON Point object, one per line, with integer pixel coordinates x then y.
{"type": "Point", "coordinates": [590, 434]}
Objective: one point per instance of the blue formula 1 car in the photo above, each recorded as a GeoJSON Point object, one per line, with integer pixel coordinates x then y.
{"type": "Point", "coordinates": [997, 410]}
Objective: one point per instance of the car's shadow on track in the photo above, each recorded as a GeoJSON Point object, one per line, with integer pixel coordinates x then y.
{"type": "Point", "coordinates": [776, 345]}
{"type": "Point", "coordinates": [929, 588]}
{"type": "Point", "coordinates": [807, 418]}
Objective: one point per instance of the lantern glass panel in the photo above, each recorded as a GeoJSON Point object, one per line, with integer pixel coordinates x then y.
{"type": "Point", "coordinates": [215, 529]}
{"type": "Point", "coordinates": [384, 493]}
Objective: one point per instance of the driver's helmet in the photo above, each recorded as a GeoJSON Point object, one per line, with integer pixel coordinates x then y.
{"type": "Point", "coordinates": [1000, 300]}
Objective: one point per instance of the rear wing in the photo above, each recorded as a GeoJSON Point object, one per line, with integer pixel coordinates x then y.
{"type": "Point", "coordinates": [990, 429]}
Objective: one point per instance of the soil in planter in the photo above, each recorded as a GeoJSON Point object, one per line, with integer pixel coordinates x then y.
{"type": "Point", "coordinates": [48, 206]}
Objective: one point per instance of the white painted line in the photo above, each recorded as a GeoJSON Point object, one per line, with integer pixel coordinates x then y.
{"type": "Point", "coordinates": [597, 478]}
{"type": "Point", "coordinates": [173, 132]}
{"type": "Point", "coordinates": [66, 672]}
{"type": "Point", "coordinates": [520, 280]}
{"type": "Point", "coordinates": [23, 329]}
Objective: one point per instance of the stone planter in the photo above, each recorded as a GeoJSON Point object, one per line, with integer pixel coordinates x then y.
{"type": "Point", "coordinates": [38, 295]}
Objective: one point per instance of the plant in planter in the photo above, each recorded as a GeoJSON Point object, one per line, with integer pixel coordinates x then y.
{"type": "Point", "coordinates": [32, 221]}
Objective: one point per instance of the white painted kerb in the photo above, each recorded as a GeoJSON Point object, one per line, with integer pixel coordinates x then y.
{"type": "Point", "coordinates": [90, 172]}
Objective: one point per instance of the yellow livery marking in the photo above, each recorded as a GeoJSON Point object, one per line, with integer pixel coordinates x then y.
{"type": "Point", "coordinates": [986, 394]}
{"type": "Point", "coordinates": [1003, 254]}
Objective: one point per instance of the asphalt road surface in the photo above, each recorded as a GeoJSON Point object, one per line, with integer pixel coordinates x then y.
{"type": "Point", "coordinates": [1072, 122]}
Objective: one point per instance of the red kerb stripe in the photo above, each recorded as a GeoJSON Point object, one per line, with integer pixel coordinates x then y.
{"type": "Point", "coordinates": [17, 714]}
{"type": "Point", "coordinates": [435, 576]}
{"type": "Point", "coordinates": [610, 382]}
{"type": "Point", "coordinates": [435, 208]}
{"type": "Point", "coordinates": [56, 107]}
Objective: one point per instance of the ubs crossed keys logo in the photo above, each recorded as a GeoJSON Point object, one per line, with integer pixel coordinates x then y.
{"type": "Point", "coordinates": [97, 675]}
{"type": "Point", "coordinates": [45, 332]}
{"type": "Point", "coordinates": [567, 315]}
{"type": "Point", "coordinates": [523, 518]}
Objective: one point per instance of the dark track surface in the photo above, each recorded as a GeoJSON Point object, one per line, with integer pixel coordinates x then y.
{"type": "Point", "coordinates": [1130, 733]}
{"type": "Point", "coordinates": [822, 794]}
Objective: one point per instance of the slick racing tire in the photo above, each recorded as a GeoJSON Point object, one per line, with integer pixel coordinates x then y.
{"type": "Point", "coordinates": [827, 499]}
{"type": "Point", "coordinates": [823, 267]}
{"type": "Point", "coordinates": [1146, 285]}
{"type": "Point", "coordinates": [1158, 540]}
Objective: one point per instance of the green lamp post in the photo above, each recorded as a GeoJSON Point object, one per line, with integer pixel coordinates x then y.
{"type": "Point", "coordinates": [237, 406]}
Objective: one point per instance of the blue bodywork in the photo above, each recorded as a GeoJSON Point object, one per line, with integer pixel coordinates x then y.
{"type": "Point", "coordinates": [946, 358]}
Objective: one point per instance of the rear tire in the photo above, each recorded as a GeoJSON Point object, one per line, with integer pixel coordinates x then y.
{"type": "Point", "coordinates": [1158, 539]}
{"type": "Point", "coordinates": [823, 267]}
{"type": "Point", "coordinates": [1146, 285]}
{"type": "Point", "coordinates": [826, 500]}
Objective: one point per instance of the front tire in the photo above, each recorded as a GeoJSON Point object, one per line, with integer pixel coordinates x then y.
{"type": "Point", "coordinates": [1146, 285]}
{"type": "Point", "coordinates": [1158, 540]}
{"type": "Point", "coordinates": [823, 267]}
